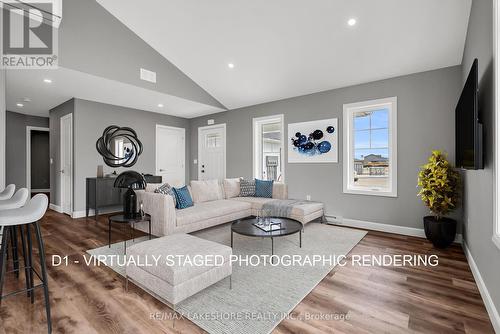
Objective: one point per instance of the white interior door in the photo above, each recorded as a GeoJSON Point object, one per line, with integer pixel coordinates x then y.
{"type": "Point", "coordinates": [171, 155]}
{"type": "Point", "coordinates": [212, 152]}
{"type": "Point", "coordinates": [66, 171]}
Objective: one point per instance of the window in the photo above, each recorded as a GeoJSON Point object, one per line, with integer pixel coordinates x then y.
{"type": "Point", "coordinates": [370, 146]}
{"type": "Point", "coordinates": [268, 148]}
{"type": "Point", "coordinates": [213, 140]}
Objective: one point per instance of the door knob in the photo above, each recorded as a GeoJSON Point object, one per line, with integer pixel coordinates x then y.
{"type": "Point", "coordinates": [162, 170]}
{"type": "Point", "coordinates": [62, 171]}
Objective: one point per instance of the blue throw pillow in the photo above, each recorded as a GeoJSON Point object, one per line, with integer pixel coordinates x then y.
{"type": "Point", "coordinates": [264, 188]}
{"type": "Point", "coordinates": [183, 196]}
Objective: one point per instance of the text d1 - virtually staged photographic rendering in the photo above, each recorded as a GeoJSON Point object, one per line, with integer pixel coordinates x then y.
{"type": "Point", "coordinates": [249, 167]}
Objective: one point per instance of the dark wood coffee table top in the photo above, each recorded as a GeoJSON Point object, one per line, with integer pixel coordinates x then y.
{"type": "Point", "coordinates": [246, 227]}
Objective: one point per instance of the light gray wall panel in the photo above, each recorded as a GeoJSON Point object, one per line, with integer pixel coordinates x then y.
{"type": "Point", "coordinates": [16, 145]}
{"type": "Point", "coordinates": [479, 184]}
{"type": "Point", "coordinates": [426, 120]}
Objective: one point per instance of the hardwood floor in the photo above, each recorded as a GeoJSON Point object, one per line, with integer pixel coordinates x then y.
{"type": "Point", "coordinates": [442, 299]}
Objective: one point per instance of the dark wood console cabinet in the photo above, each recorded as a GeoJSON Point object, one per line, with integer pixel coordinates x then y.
{"type": "Point", "coordinates": [101, 193]}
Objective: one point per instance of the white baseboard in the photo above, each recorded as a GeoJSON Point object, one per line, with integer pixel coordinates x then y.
{"type": "Point", "coordinates": [488, 302]}
{"type": "Point", "coordinates": [56, 208]}
{"type": "Point", "coordinates": [83, 213]}
{"type": "Point", "coordinates": [410, 231]}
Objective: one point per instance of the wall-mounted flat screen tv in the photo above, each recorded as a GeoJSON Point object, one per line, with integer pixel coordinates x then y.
{"type": "Point", "coordinates": [468, 127]}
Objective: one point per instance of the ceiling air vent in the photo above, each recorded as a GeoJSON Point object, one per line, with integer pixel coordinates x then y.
{"type": "Point", "coordinates": [148, 75]}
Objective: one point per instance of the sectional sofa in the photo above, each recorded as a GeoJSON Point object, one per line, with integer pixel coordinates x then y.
{"type": "Point", "coordinates": [215, 203]}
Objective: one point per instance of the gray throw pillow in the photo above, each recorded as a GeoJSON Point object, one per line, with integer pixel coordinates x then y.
{"type": "Point", "coordinates": [166, 189]}
{"type": "Point", "coordinates": [247, 188]}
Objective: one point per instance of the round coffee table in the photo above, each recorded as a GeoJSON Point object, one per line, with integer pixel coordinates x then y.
{"type": "Point", "coordinates": [246, 227]}
{"type": "Point", "coordinates": [131, 221]}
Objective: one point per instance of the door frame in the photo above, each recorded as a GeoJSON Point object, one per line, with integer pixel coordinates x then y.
{"type": "Point", "coordinates": [28, 156]}
{"type": "Point", "coordinates": [61, 162]}
{"type": "Point", "coordinates": [208, 127]}
{"type": "Point", "coordinates": [183, 131]}
{"type": "Point", "coordinates": [257, 147]}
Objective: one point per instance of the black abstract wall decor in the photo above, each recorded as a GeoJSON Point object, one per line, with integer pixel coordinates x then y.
{"type": "Point", "coordinates": [119, 146]}
{"type": "Point", "coordinates": [314, 141]}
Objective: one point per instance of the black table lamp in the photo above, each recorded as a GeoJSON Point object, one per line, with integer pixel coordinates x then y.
{"type": "Point", "coordinates": [130, 180]}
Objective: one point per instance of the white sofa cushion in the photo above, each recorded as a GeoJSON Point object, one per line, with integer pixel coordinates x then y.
{"type": "Point", "coordinates": [232, 187]}
{"type": "Point", "coordinates": [151, 187]}
{"type": "Point", "coordinates": [204, 191]}
{"type": "Point", "coordinates": [280, 190]}
{"type": "Point", "coordinates": [256, 202]}
{"type": "Point", "coordinates": [208, 210]}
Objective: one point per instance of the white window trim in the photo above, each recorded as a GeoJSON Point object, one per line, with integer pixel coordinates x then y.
{"type": "Point", "coordinates": [496, 53]}
{"type": "Point", "coordinates": [349, 109]}
{"type": "Point", "coordinates": [257, 147]}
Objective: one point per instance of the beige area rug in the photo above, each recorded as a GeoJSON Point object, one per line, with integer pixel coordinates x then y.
{"type": "Point", "coordinates": [260, 296]}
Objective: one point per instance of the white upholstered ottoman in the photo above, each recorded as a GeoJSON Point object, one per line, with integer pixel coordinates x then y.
{"type": "Point", "coordinates": [174, 283]}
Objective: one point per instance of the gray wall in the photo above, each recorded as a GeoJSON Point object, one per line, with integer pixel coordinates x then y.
{"type": "Point", "coordinates": [90, 120]}
{"type": "Point", "coordinates": [479, 184]}
{"type": "Point", "coordinates": [426, 104]}
{"type": "Point", "coordinates": [16, 145]}
{"type": "Point", "coordinates": [93, 41]}
{"type": "Point", "coordinates": [55, 115]}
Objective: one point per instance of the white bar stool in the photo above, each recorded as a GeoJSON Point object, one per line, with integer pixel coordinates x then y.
{"type": "Point", "coordinates": [26, 216]}
{"type": "Point", "coordinates": [7, 192]}
{"type": "Point", "coordinates": [15, 202]}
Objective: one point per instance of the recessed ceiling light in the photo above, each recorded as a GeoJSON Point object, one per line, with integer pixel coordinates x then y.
{"type": "Point", "coordinates": [20, 105]}
{"type": "Point", "coordinates": [47, 80]}
{"type": "Point", "coordinates": [230, 65]}
{"type": "Point", "coordinates": [351, 22]}
{"type": "Point", "coordinates": [160, 105]}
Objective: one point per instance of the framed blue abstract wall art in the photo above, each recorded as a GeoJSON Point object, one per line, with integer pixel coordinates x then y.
{"type": "Point", "coordinates": [313, 142]}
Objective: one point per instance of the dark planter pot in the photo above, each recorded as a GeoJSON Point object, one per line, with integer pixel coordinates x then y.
{"type": "Point", "coordinates": [440, 232]}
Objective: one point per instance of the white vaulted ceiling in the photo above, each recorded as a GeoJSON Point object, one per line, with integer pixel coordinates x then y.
{"type": "Point", "coordinates": [286, 48]}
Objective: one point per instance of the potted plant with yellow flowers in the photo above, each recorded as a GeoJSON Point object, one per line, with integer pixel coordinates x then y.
{"type": "Point", "coordinates": [439, 190]}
